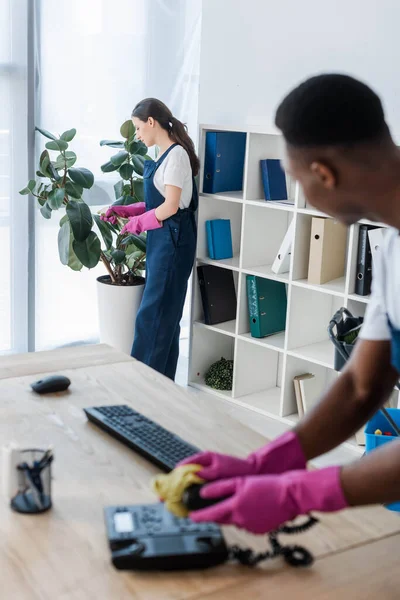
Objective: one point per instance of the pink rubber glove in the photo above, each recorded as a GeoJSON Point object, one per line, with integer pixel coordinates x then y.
{"type": "Point", "coordinates": [283, 454]}
{"type": "Point", "coordinates": [144, 222]}
{"type": "Point", "coordinates": [262, 503]}
{"type": "Point", "coordinates": [131, 210]}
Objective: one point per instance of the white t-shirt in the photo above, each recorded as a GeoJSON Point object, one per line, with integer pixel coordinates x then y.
{"type": "Point", "coordinates": [385, 292]}
{"type": "Point", "coordinates": [176, 170]}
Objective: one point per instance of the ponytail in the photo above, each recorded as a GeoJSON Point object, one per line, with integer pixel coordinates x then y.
{"type": "Point", "coordinates": [180, 135]}
{"type": "Point", "coordinates": [151, 107]}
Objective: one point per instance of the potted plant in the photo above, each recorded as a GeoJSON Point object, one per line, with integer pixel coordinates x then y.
{"type": "Point", "coordinates": [84, 239]}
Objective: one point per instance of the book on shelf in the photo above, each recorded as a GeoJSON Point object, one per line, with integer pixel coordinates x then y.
{"type": "Point", "coordinates": [304, 392]}
{"type": "Point", "coordinates": [218, 294]}
{"type": "Point", "coordinates": [274, 181]}
{"type": "Point", "coordinates": [364, 261]}
{"type": "Point", "coordinates": [219, 239]}
{"type": "Point", "coordinates": [267, 304]}
{"type": "Point", "coordinates": [224, 161]}
{"type": "Point", "coordinates": [327, 250]}
{"type": "Point", "coordinates": [375, 237]}
{"type": "Point", "coordinates": [281, 263]}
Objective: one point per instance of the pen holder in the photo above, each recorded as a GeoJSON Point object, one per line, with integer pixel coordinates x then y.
{"type": "Point", "coordinates": [34, 482]}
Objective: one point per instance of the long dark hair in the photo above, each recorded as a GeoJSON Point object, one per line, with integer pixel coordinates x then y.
{"type": "Point", "coordinates": [151, 107]}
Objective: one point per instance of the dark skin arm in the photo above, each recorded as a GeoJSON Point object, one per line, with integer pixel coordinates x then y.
{"type": "Point", "coordinates": [364, 386]}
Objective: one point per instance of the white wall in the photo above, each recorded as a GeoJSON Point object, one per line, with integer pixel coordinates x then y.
{"type": "Point", "coordinates": [254, 51]}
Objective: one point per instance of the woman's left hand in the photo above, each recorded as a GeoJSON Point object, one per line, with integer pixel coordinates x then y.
{"type": "Point", "coordinates": [144, 222]}
{"type": "Point", "coordinates": [261, 503]}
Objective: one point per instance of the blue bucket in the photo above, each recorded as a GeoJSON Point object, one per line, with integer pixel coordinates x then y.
{"type": "Point", "coordinates": [373, 441]}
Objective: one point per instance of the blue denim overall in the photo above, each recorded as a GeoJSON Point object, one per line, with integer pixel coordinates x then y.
{"type": "Point", "coordinates": [169, 261]}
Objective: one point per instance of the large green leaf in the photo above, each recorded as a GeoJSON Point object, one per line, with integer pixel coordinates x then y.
{"type": "Point", "coordinates": [73, 189]}
{"type": "Point", "coordinates": [82, 177]}
{"type": "Point", "coordinates": [70, 159]}
{"type": "Point", "coordinates": [112, 144]}
{"type": "Point", "coordinates": [138, 164]}
{"type": "Point", "coordinates": [137, 147]}
{"type": "Point", "coordinates": [104, 230]}
{"type": "Point", "coordinates": [64, 236]}
{"type": "Point", "coordinates": [57, 145]}
{"type": "Point", "coordinates": [63, 220]}
{"type": "Point", "coordinates": [124, 201]}
{"type": "Point", "coordinates": [88, 251]}
{"type": "Point", "coordinates": [108, 167]}
{"type": "Point", "coordinates": [118, 256]}
{"type": "Point", "coordinates": [40, 174]}
{"type": "Point", "coordinates": [46, 133]}
{"type": "Point", "coordinates": [138, 188]}
{"type": "Point", "coordinates": [44, 162]}
{"type": "Point", "coordinates": [74, 263]}
{"type": "Point", "coordinates": [119, 158]}
{"type": "Point", "coordinates": [69, 135]}
{"type": "Point", "coordinates": [134, 259]}
{"type": "Point", "coordinates": [126, 171]}
{"type": "Point", "coordinates": [46, 211]}
{"type": "Point", "coordinates": [54, 173]}
{"type": "Point", "coordinates": [127, 129]}
{"type": "Point", "coordinates": [81, 221]}
{"type": "Point", "coordinates": [136, 240]}
{"type": "Point", "coordinates": [56, 198]}
{"type": "Point", "coordinates": [118, 187]}
{"type": "Point", "coordinates": [29, 188]}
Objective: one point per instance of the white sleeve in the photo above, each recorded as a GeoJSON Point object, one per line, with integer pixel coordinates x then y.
{"type": "Point", "coordinates": [177, 168]}
{"type": "Point", "coordinates": [375, 326]}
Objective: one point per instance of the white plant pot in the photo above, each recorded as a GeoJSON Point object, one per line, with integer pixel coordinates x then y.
{"type": "Point", "coordinates": [117, 309]}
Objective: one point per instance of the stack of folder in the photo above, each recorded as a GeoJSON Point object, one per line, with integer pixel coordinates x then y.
{"type": "Point", "coordinates": [224, 161]}
{"type": "Point", "coordinates": [219, 239]}
{"type": "Point", "coordinates": [273, 179]}
{"type": "Point", "coordinates": [218, 294]}
{"type": "Point", "coordinates": [267, 304]}
{"type": "Point", "coordinates": [327, 250]}
{"type": "Point", "coordinates": [369, 242]}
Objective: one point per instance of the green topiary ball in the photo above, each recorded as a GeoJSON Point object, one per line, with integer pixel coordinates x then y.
{"type": "Point", "coordinates": [219, 376]}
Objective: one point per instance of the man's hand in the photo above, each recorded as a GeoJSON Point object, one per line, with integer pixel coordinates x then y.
{"type": "Point", "coordinates": [262, 503]}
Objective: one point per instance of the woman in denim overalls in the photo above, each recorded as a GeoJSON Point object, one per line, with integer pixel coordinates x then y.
{"type": "Point", "coordinates": [171, 235]}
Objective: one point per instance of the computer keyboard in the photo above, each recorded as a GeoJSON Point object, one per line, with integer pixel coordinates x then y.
{"type": "Point", "coordinates": [158, 445]}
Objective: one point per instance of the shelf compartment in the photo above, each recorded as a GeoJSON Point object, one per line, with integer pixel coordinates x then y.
{"type": "Point", "coordinates": [301, 257]}
{"type": "Point", "coordinates": [208, 346]}
{"type": "Point", "coordinates": [226, 327]}
{"type": "Point", "coordinates": [212, 208]}
{"type": "Point", "coordinates": [309, 315]}
{"type": "Point", "coordinates": [257, 370]}
{"type": "Point", "coordinates": [262, 146]}
{"type": "Point", "coordinates": [263, 233]}
{"type": "Point", "coordinates": [275, 341]}
{"type": "Point", "coordinates": [297, 366]}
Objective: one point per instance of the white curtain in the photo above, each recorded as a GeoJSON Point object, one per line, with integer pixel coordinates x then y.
{"type": "Point", "coordinates": [14, 144]}
{"type": "Point", "coordinates": [97, 59]}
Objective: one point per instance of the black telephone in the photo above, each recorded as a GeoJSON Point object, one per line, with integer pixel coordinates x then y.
{"type": "Point", "coordinates": [147, 537]}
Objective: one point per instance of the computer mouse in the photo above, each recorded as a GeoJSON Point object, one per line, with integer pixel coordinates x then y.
{"type": "Point", "coordinates": [51, 384]}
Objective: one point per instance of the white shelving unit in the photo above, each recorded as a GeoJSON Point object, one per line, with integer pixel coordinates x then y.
{"type": "Point", "coordinates": [264, 368]}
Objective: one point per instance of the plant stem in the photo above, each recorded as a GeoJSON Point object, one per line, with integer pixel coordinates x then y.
{"type": "Point", "coordinates": [108, 267]}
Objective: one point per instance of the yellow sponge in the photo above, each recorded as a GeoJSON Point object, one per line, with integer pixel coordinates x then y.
{"type": "Point", "coordinates": [170, 488]}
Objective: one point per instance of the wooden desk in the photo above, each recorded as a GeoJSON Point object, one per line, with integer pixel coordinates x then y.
{"type": "Point", "coordinates": [63, 554]}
